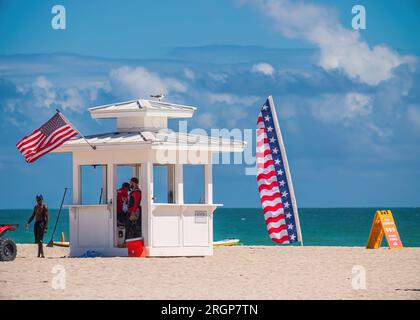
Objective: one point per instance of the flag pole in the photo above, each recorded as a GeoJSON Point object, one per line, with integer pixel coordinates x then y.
{"type": "Point", "coordinates": [65, 119]}
{"type": "Point", "coordinates": [286, 167]}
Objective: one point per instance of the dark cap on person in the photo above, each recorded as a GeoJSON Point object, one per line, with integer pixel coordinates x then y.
{"type": "Point", "coordinates": [134, 179]}
{"type": "Point", "coordinates": [125, 185]}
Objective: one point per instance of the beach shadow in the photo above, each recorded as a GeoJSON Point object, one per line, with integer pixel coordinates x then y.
{"type": "Point", "coordinates": [414, 290]}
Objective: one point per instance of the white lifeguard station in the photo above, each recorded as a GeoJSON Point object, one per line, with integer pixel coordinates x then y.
{"type": "Point", "coordinates": [142, 140]}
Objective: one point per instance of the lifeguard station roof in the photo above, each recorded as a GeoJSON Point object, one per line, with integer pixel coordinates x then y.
{"type": "Point", "coordinates": [165, 139]}
{"type": "Point", "coordinates": [142, 108]}
{"type": "Point", "coordinates": [140, 136]}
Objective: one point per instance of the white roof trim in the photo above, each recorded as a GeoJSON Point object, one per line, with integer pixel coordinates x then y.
{"type": "Point", "coordinates": [142, 108]}
{"type": "Point", "coordinates": [151, 140]}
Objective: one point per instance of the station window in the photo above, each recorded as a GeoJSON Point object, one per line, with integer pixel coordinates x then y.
{"type": "Point", "coordinates": [124, 174]}
{"type": "Point", "coordinates": [193, 183]}
{"type": "Point", "coordinates": [92, 184]}
{"type": "Point", "coordinates": [163, 183]}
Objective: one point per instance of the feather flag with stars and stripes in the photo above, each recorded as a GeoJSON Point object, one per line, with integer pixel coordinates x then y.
{"type": "Point", "coordinates": [274, 180]}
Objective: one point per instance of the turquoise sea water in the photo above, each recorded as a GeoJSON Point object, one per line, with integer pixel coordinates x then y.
{"type": "Point", "coordinates": [320, 226]}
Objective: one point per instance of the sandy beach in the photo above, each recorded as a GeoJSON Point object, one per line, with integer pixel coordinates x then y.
{"type": "Point", "coordinates": [239, 272]}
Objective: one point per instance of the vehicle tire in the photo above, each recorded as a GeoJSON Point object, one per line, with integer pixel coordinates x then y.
{"type": "Point", "coordinates": [8, 250]}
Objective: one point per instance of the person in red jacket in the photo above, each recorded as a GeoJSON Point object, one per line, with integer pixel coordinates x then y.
{"type": "Point", "coordinates": [134, 210]}
{"type": "Point", "coordinates": [122, 202]}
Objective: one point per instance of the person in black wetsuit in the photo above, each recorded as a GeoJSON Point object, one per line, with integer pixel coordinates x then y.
{"type": "Point", "coordinates": [40, 214]}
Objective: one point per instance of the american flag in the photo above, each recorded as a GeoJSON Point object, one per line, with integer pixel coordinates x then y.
{"type": "Point", "coordinates": [49, 136]}
{"type": "Point", "coordinates": [274, 181]}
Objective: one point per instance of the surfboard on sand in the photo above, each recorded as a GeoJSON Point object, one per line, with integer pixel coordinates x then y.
{"type": "Point", "coordinates": [226, 242]}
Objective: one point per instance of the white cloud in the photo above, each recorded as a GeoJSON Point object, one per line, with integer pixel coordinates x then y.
{"type": "Point", "coordinates": [413, 115]}
{"type": "Point", "coordinates": [189, 74]}
{"type": "Point", "coordinates": [332, 108]}
{"type": "Point", "coordinates": [231, 107]}
{"type": "Point", "coordinates": [43, 92]}
{"type": "Point", "coordinates": [42, 96]}
{"type": "Point", "coordinates": [233, 115]}
{"type": "Point", "coordinates": [46, 95]}
{"type": "Point", "coordinates": [139, 82]}
{"type": "Point", "coordinates": [383, 133]}
{"type": "Point", "coordinates": [218, 77]}
{"type": "Point", "coordinates": [72, 99]}
{"type": "Point", "coordinates": [264, 68]}
{"type": "Point", "coordinates": [231, 99]}
{"type": "Point", "coordinates": [335, 108]}
{"type": "Point", "coordinates": [357, 104]}
{"type": "Point", "coordinates": [340, 48]}
{"type": "Point", "coordinates": [206, 120]}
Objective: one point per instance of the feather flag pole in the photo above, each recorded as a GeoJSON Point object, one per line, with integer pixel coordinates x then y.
{"type": "Point", "coordinates": [274, 180]}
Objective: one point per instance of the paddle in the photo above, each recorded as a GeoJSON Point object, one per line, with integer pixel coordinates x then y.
{"type": "Point", "coordinates": [100, 196]}
{"type": "Point", "coordinates": [51, 243]}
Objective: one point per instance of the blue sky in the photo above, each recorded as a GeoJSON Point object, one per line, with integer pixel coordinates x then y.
{"type": "Point", "coordinates": [348, 101]}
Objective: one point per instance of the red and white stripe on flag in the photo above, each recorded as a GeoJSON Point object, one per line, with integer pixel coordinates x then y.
{"type": "Point", "coordinates": [48, 137]}
{"type": "Point", "coordinates": [274, 184]}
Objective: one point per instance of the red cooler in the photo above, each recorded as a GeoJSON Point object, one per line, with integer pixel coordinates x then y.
{"type": "Point", "coordinates": [135, 247]}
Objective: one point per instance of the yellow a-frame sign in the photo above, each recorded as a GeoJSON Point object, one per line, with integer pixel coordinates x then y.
{"type": "Point", "coordinates": [383, 223]}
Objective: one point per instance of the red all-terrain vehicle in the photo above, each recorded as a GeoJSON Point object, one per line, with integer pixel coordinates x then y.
{"type": "Point", "coordinates": [8, 248]}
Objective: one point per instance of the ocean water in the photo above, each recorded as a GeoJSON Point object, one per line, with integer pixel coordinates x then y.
{"type": "Point", "coordinates": [320, 226]}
